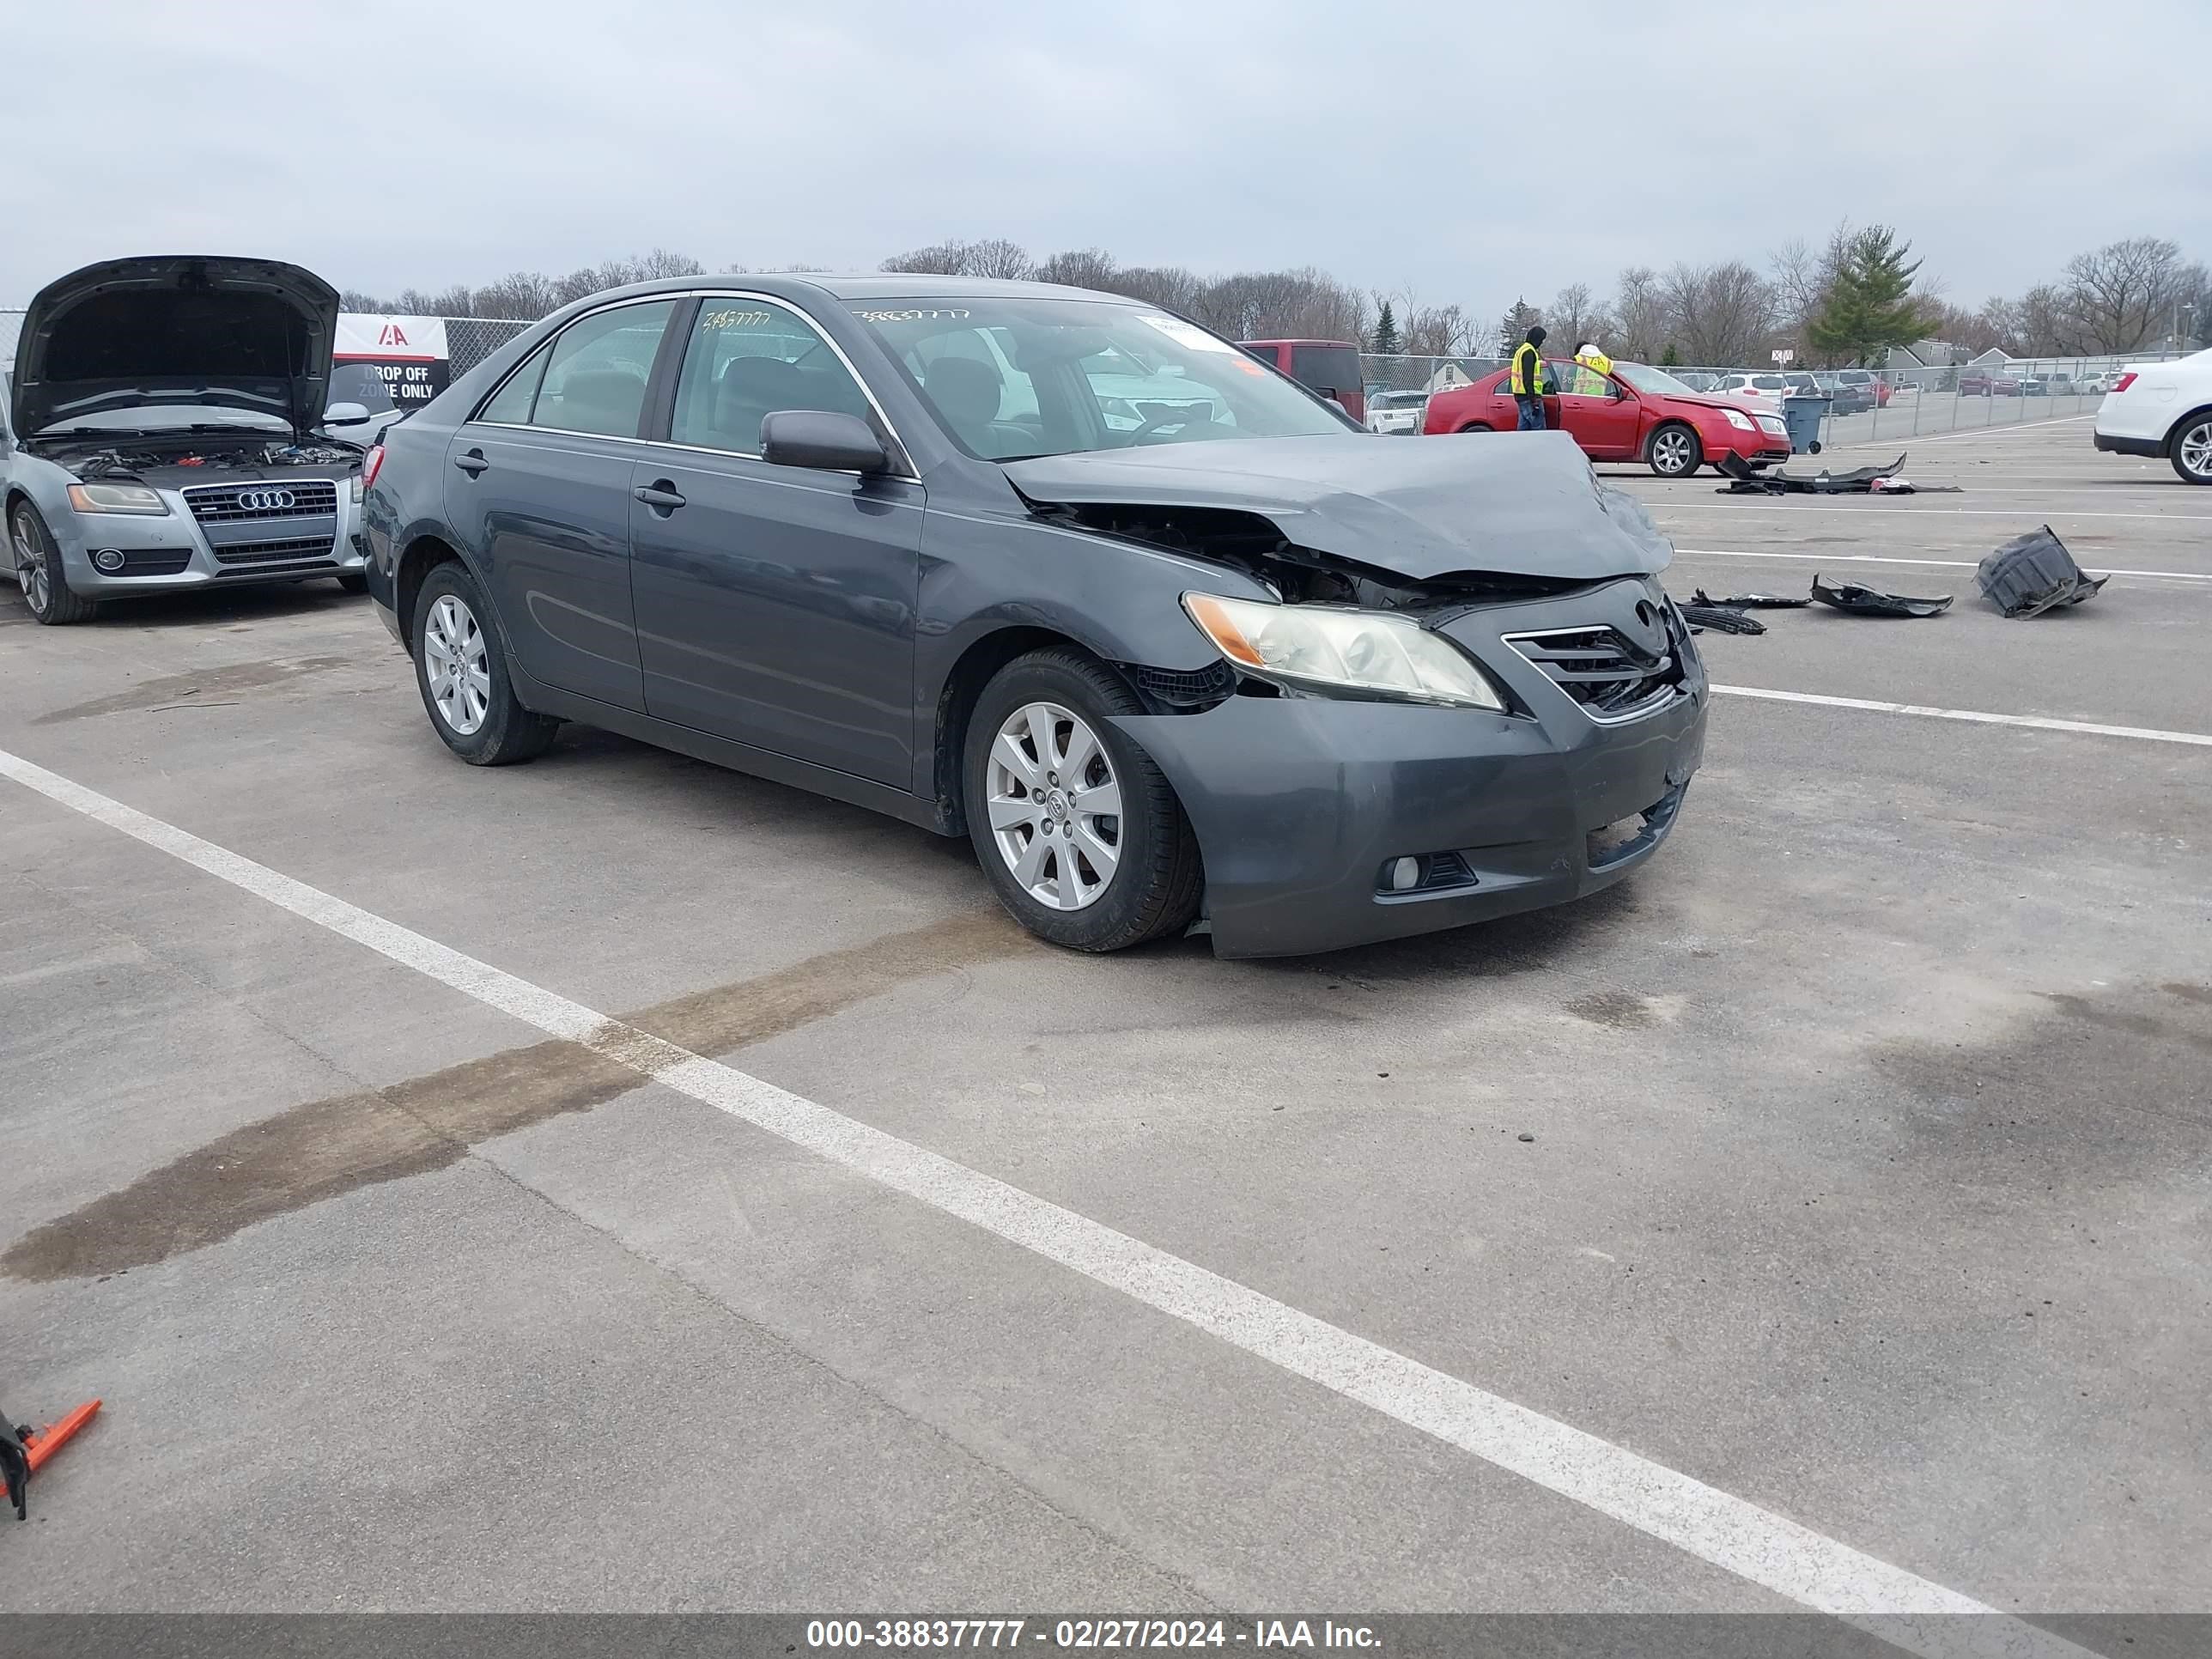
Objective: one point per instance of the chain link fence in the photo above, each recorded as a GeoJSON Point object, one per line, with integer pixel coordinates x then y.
{"type": "Point", "coordinates": [470, 340]}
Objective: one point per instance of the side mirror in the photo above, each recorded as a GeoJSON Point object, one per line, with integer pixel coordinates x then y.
{"type": "Point", "coordinates": [823, 439]}
{"type": "Point", "coordinates": [346, 415]}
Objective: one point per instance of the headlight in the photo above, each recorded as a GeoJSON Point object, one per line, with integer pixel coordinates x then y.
{"type": "Point", "coordinates": [1737, 417]}
{"type": "Point", "coordinates": [1367, 653]}
{"type": "Point", "coordinates": [114, 498]}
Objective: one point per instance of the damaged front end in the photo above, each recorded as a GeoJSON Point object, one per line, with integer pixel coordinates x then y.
{"type": "Point", "coordinates": [1405, 735]}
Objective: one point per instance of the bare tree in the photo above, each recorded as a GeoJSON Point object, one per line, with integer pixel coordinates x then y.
{"type": "Point", "coordinates": [997, 257]}
{"type": "Point", "coordinates": [1801, 287]}
{"type": "Point", "coordinates": [1639, 315]}
{"type": "Point", "coordinates": [1437, 331]}
{"type": "Point", "coordinates": [1575, 315]}
{"type": "Point", "coordinates": [1171, 287]}
{"type": "Point", "coordinates": [1720, 313]}
{"type": "Point", "coordinates": [945, 258]}
{"type": "Point", "coordinates": [1082, 267]}
{"type": "Point", "coordinates": [2121, 296]}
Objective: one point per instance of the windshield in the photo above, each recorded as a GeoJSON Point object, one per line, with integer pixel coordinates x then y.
{"type": "Point", "coordinates": [1642, 377]}
{"type": "Point", "coordinates": [1010, 378]}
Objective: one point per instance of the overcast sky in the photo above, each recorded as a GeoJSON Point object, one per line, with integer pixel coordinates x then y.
{"type": "Point", "coordinates": [1471, 153]}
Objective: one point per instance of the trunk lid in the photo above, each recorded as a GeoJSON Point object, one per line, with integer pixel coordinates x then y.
{"type": "Point", "coordinates": [1523, 504]}
{"type": "Point", "coordinates": [176, 329]}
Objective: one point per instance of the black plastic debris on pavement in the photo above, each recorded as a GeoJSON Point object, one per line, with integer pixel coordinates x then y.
{"type": "Point", "coordinates": [1750, 601]}
{"type": "Point", "coordinates": [1742, 480]}
{"type": "Point", "coordinates": [1866, 602]}
{"type": "Point", "coordinates": [2032, 573]}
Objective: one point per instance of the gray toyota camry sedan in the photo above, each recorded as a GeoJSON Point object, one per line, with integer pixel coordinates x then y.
{"type": "Point", "coordinates": [1170, 639]}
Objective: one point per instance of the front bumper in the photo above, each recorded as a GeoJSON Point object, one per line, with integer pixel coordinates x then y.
{"type": "Point", "coordinates": [1300, 803]}
{"type": "Point", "coordinates": [168, 553]}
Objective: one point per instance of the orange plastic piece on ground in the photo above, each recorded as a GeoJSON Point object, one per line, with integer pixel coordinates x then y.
{"type": "Point", "coordinates": [42, 1444]}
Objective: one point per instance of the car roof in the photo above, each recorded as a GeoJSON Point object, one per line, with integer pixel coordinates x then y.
{"type": "Point", "coordinates": [902, 285]}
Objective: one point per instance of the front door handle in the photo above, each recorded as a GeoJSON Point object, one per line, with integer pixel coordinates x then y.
{"type": "Point", "coordinates": [661, 495]}
{"type": "Point", "coordinates": [472, 462]}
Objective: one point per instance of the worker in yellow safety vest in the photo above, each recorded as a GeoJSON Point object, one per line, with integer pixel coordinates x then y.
{"type": "Point", "coordinates": [1592, 370]}
{"type": "Point", "coordinates": [1528, 381]}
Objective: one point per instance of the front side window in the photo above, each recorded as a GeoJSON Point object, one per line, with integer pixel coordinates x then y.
{"type": "Point", "coordinates": [1009, 379]}
{"type": "Point", "coordinates": [360, 383]}
{"type": "Point", "coordinates": [748, 359]}
{"type": "Point", "coordinates": [595, 377]}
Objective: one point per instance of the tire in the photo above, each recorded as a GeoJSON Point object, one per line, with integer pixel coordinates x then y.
{"type": "Point", "coordinates": [37, 562]}
{"type": "Point", "coordinates": [354, 582]}
{"type": "Point", "coordinates": [476, 714]}
{"type": "Point", "coordinates": [1055, 697]}
{"type": "Point", "coordinates": [1675, 451]}
{"type": "Point", "coordinates": [2191, 447]}
{"type": "Point", "coordinates": [1476, 426]}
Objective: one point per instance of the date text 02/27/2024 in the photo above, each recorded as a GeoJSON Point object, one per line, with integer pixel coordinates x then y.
{"type": "Point", "coordinates": [1086, 1635]}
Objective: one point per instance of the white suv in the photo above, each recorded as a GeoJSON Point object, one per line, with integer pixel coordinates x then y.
{"type": "Point", "coordinates": [2162, 408]}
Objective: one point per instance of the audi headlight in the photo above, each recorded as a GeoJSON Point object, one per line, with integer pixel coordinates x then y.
{"type": "Point", "coordinates": [1364, 652]}
{"type": "Point", "coordinates": [1737, 417]}
{"type": "Point", "coordinates": [115, 498]}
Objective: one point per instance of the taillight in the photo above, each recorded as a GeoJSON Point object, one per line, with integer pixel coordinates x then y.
{"type": "Point", "coordinates": [371, 466]}
{"type": "Point", "coordinates": [2124, 381]}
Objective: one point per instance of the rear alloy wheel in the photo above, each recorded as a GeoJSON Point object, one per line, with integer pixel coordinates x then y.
{"type": "Point", "coordinates": [1078, 831]}
{"type": "Point", "coordinates": [1675, 451]}
{"type": "Point", "coordinates": [461, 670]}
{"type": "Point", "coordinates": [37, 563]}
{"type": "Point", "coordinates": [2192, 449]}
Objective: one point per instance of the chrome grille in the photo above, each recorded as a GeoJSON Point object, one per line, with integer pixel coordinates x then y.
{"type": "Point", "coordinates": [305, 498]}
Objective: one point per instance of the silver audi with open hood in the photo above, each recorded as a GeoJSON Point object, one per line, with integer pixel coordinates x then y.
{"type": "Point", "coordinates": [1175, 644]}
{"type": "Point", "coordinates": [166, 427]}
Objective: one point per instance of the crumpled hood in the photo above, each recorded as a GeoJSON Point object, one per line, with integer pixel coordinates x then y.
{"type": "Point", "coordinates": [176, 329]}
{"type": "Point", "coordinates": [1512, 504]}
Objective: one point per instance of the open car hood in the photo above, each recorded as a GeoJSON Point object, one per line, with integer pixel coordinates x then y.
{"type": "Point", "coordinates": [1523, 504]}
{"type": "Point", "coordinates": [176, 329]}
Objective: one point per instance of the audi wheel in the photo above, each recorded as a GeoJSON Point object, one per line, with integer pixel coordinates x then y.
{"type": "Point", "coordinates": [37, 563]}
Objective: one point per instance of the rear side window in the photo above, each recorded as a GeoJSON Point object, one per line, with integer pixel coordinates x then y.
{"type": "Point", "coordinates": [748, 359]}
{"type": "Point", "coordinates": [1265, 354]}
{"type": "Point", "coordinates": [595, 377]}
{"type": "Point", "coordinates": [1328, 368]}
{"type": "Point", "coordinates": [510, 404]}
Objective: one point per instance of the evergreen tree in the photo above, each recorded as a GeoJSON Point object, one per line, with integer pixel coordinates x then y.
{"type": "Point", "coordinates": [1385, 342]}
{"type": "Point", "coordinates": [1871, 305]}
{"type": "Point", "coordinates": [1518, 321]}
{"type": "Point", "coordinates": [1670, 358]}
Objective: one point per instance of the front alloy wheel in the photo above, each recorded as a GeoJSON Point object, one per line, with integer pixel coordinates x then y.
{"type": "Point", "coordinates": [1077, 831]}
{"type": "Point", "coordinates": [2193, 451]}
{"type": "Point", "coordinates": [1056, 808]}
{"type": "Point", "coordinates": [38, 565]}
{"type": "Point", "coordinates": [1674, 453]}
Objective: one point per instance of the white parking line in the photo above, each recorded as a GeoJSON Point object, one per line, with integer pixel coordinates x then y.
{"type": "Point", "coordinates": [1947, 564]}
{"type": "Point", "coordinates": [1728, 1532]}
{"type": "Point", "coordinates": [1896, 508]}
{"type": "Point", "coordinates": [2146, 733]}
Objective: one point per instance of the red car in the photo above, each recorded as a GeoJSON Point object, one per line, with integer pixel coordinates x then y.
{"type": "Point", "coordinates": [1328, 367]}
{"type": "Point", "coordinates": [1637, 413]}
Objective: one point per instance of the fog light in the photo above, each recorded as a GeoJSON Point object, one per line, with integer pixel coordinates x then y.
{"type": "Point", "coordinates": [1405, 874]}
{"type": "Point", "coordinates": [109, 559]}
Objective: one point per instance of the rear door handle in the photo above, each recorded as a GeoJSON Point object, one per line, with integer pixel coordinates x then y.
{"type": "Point", "coordinates": [472, 462]}
{"type": "Point", "coordinates": [661, 495]}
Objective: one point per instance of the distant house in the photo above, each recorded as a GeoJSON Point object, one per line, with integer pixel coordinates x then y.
{"type": "Point", "coordinates": [1995, 357]}
{"type": "Point", "coordinates": [1925, 354]}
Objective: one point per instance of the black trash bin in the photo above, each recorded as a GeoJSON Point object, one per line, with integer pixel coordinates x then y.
{"type": "Point", "coordinates": [1802, 416]}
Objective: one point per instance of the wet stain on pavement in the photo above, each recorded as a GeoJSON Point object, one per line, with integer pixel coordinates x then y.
{"type": "Point", "coordinates": [2112, 1082]}
{"type": "Point", "coordinates": [1624, 1010]}
{"type": "Point", "coordinates": [327, 1147]}
{"type": "Point", "coordinates": [205, 686]}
